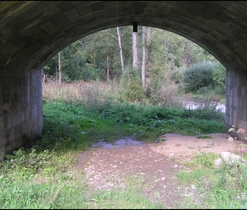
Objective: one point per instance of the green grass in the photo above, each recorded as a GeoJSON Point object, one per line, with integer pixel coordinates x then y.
{"type": "Point", "coordinates": [192, 177]}
{"type": "Point", "coordinates": [122, 198]}
{"type": "Point", "coordinates": [43, 176]}
{"type": "Point", "coordinates": [130, 197]}
{"type": "Point", "coordinates": [217, 188]}
{"type": "Point", "coordinates": [156, 120]}
{"type": "Point", "coordinates": [77, 126]}
{"type": "Point", "coordinates": [116, 120]}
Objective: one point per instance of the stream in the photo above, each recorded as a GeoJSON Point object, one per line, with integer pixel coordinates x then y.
{"type": "Point", "coordinates": [195, 104]}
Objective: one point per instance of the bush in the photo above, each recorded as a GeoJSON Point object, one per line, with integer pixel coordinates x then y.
{"type": "Point", "coordinates": [198, 76]}
{"type": "Point", "coordinates": [219, 77]}
{"type": "Point", "coordinates": [131, 87]}
{"type": "Point", "coordinates": [177, 75]}
{"type": "Point", "coordinates": [163, 94]}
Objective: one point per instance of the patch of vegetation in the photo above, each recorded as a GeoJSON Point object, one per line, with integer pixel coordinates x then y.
{"type": "Point", "coordinates": [216, 188]}
{"type": "Point", "coordinates": [44, 176]}
{"type": "Point", "coordinates": [161, 120]}
{"type": "Point", "coordinates": [204, 75]}
{"type": "Point", "coordinates": [131, 198]}
{"type": "Point", "coordinates": [78, 126]}
{"type": "Point", "coordinates": [205, 159]}
{"type": "Point", "coordinates": [204, 137]}
{"type": "Point", "coordinates": [191, 177]}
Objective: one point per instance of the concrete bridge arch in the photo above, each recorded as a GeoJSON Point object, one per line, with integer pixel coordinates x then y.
{"type": "Point", "coordinates": [32, 32]}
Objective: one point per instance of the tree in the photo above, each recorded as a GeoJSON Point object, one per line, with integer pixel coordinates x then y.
{"type": "Point", "coordinates": [107, 66]}
{"type": "Point", "coordinates": [90, 57]}
{"type": "Point", "coordinates": [120, 49]}
{"type": "Point", "coordinates": [59, 68]}
{"type": "Point", "coordinates": [135, 50]}
{"type": "Point", "coordinates": [149, 46]}
{"type": "Point", "coordinates": [143, 58]}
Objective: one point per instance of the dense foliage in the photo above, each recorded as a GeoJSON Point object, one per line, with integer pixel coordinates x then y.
{"type": "Point", "coordinates": [169, 57]}
{"type": "Point", "coordinates": [203, 75]}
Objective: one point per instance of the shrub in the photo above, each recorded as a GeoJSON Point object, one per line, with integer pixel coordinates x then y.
{"type": "Point", "coordinates": [164, 94]}
{"type": "Point", "coordinates": [198, 76]}
{"type": "Point", "coordinates": [177, 75]}
{"type": "Point", "coordinates": [205, 159]}
{"type": "Point", "coordinates": [131, 87]}
{"type": "Point", "coordinates": [161, 90]}
{"type": "Point", "coordinates": [219, 78]}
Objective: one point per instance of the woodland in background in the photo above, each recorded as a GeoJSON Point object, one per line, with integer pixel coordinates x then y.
{"type": "Point", "coordinates": [146, 60]}
{"type": "Point", "coordinates": [88, 92]}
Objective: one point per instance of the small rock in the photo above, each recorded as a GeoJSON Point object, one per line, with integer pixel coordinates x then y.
{"type": "Point", "coordinates": [230, 139]}
{"type": "Point", "coordinates": [193, 187]}
{"type": "Point", "coordinates": [164, 186]}
{"type": "Point", "coordinates": [218, 162]}
{"type": "Point", "coordinates": [230, 158]}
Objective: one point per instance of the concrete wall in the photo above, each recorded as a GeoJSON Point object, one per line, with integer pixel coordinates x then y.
{"type": "Point", "coordinates": [236, 99]}
{"type": "Point", "coordinates": [21, 114]}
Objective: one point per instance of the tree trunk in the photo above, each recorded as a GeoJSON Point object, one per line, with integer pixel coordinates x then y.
{"type": "Point", "coordinates": [185, 56]}
{"type": "Point", "coordinates": [166, 47]}
{"type": "Point", "coordinates": [94, 54]}
{"type": "Point", "coordinates": [143, 58]}
{"type": "Point", "coordinates": [120, 49]}
{"type": "Point", "coordinates": [135, 57]}
{"type": "Point", "coordinates": [149, 55]}
{"type": "Point", "coordinates": [43, 76]}
{"type": "Point", "coordinates": [107, 67]}
{"type": "Point", "coordinates": [59, 69]}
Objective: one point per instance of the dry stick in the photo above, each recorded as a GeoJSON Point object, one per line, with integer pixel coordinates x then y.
{"type": "Point", "coordinates": [55, 196]}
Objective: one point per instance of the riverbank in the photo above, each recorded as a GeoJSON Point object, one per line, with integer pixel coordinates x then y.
{"type": "Point", "coordinates": [192, 104]}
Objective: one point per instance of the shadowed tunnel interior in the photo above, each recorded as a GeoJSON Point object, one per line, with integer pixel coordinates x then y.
{"type": "Point", "coordinates": [32, 32]}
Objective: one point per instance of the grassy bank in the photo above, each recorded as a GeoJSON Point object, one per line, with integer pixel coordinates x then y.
{"type": "Point", "coordinates": [216, 188]}
{"type": "Point", "coordinates": [44, 176]}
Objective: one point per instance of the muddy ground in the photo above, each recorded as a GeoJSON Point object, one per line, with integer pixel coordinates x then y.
{"type": "Point", "coordinates": [107, 165]}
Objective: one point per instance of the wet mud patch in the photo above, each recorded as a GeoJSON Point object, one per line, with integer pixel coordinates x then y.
{"type": "Point", "coordinates": [126, 141]}
{"type": "Point", "coordinates": [108, 165]}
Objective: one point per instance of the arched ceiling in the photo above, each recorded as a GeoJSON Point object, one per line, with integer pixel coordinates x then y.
{"type": "Point", "coordinates": [31, 32]}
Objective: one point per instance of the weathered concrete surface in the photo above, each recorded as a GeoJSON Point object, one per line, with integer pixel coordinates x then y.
{"type": "Point", "coordinates": [21, 117]}
{"type": "Point", "coordinates": [32, 32]}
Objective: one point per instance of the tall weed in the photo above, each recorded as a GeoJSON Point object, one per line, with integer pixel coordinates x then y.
{"type": "Point", "coordinates": [127, 89]}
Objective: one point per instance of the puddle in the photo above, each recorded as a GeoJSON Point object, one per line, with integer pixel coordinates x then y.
{"type": "Point", "coordinates": [117, 144]}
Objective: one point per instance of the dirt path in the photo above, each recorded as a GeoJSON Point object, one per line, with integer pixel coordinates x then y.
{"type": "Point", "coordinates": [155, 163]}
